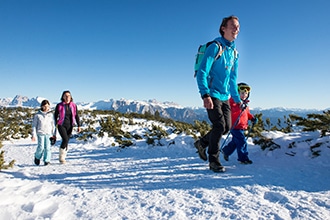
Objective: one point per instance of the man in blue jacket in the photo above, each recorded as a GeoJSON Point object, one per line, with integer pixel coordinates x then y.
{"type": "Point", "coordinates": [216, 79]}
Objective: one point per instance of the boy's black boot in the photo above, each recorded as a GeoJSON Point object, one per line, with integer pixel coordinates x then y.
{"type": "Point", "coordinates": [248, 161]}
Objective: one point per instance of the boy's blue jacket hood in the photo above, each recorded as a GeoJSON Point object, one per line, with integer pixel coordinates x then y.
{"type": "Point", "coordinates": [218, 78]}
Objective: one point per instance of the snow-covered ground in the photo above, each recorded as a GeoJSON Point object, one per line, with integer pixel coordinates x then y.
{"type": "Point", "coordinates": [167, 182]}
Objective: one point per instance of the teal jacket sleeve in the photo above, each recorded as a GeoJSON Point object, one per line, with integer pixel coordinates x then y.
{"type": "Point", "coordinates": [233, 83]}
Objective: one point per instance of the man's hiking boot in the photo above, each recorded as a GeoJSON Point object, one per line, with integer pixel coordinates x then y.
{"type": "Point", "coordinates": [200, 150]}
{"type": "Point", "coordinates": [47, 163]}
{"type": "Point", "coordinates": [246, 161]}
{"type": "Point", "coordinates": [216, 167]}
{"type": "Point", "coordinates": [36, 161]}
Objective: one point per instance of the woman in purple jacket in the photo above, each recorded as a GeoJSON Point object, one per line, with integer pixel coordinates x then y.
{"type": "Point", "coordinates": [66, 117]}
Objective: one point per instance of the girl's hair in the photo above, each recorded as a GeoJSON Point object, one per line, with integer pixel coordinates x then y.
{"type": "Point", "coordinates": [43, 103]}
{"type": "Point", "coordinates": [66, 91]}
{"type": "Point", "coordinates": [225, 22]}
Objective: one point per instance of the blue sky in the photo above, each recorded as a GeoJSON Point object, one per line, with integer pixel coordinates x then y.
{"type": "Point", "coordinates": [146, 49]}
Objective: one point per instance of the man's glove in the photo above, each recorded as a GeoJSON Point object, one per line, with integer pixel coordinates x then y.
{"type": "Point", "coordinates": [246, 101]}
{"type": "Point", "coordinates": [254, 120]}
{"type": "Point", "coordinates": [243, 106]}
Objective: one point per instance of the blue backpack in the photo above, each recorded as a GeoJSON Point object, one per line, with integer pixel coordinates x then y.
{"type": "Point", "coordinates": [201, 52]}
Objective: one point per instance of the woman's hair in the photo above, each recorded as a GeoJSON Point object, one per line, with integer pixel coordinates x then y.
{"type": "Point", "coordinates": [66, 91]}
{"type": "Point", "coordinates": [225, 22]}
{"type": "Point", "coordinates": [43, 103]}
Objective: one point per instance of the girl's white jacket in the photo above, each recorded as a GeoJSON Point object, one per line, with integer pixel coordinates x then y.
{"type": "Point", "coordinates": [43, 123]}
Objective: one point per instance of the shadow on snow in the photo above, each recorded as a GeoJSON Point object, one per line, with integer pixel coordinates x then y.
{"type": "Point", "coordinates": [153, 168]}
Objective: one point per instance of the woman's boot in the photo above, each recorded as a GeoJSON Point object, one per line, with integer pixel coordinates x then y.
{"type": "Point", "coordinates": [63, 153]}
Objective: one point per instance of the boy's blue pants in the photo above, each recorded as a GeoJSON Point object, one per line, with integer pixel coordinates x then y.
{"type": "Point", "coordinates": [43, 148]}
{"type": "Point", "coordinates": [238, 143]}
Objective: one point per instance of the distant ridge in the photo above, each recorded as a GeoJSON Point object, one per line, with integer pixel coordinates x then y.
{"type": "Point", "coordinates": [165, 109]}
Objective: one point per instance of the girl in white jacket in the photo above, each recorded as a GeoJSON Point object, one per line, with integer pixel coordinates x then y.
{"type": "Point", "coordinates": [43, 127]}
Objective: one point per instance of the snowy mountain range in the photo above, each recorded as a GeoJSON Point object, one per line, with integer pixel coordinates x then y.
{"type": "Point", "coordinates": [165, 109]}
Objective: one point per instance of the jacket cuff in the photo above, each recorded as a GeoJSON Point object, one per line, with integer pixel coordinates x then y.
{"type": "Point", "coordinates": [205, 96]}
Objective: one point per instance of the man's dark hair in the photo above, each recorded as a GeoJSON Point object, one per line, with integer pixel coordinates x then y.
{"type": "Point", "coordinates": [225, 22]}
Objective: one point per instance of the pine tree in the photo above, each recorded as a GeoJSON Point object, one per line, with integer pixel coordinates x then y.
{"type": "Point", "coordinates": [2, 160]}
{"type": "Point", "coordinates": [254, 130]}
{"type": "Point", "coordinates": [314, 122]}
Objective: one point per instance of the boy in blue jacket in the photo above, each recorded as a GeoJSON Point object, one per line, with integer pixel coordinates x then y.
{"type": "Point", "coordinates": [216, 80]}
